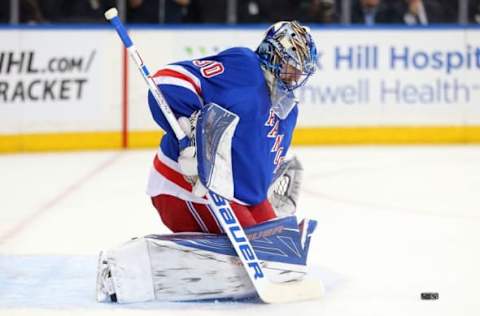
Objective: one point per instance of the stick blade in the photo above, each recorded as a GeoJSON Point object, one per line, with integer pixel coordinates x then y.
{"type": "Point", "coordinates": [289, 292]}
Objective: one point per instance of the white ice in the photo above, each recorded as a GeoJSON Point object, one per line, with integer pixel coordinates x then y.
{"type": "Point", "coordinates": [393, 222]}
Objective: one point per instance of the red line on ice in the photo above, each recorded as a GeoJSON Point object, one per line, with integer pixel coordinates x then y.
{"type": "Point", "coordinates": [55, 200]}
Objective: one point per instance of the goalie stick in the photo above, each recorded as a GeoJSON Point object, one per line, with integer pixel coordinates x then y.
{"type": "Point", "coordinates": [268, 291]}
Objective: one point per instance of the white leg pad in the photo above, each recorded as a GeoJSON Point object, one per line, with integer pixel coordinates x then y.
{"type": "Point", "coordinates": [198, 266]}
{"type": "Point", "coordinates": [146, 269]}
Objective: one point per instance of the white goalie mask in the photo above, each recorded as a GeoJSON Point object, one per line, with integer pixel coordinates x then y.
{"type": "Point", "coordinates": [287, 52]}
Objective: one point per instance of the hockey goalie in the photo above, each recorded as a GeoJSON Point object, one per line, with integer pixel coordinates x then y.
{"type": "Point", "coordinates": [239, 110]}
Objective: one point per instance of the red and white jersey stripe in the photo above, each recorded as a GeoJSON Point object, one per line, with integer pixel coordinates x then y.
{"type": "Point", "coordinates": [166, 178]}
{"type": "Point", "coordinates": [178, 75]}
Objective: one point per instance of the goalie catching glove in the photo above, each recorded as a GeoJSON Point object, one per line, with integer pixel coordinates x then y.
{"type": "Point", "coordinates": [284, 190]}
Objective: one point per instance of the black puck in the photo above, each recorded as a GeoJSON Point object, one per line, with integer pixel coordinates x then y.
{"type": "Point", "coordinates": [429, 296]}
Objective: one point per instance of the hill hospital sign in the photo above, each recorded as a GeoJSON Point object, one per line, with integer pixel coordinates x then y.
{"type": "Point", "coordinates": [400, 74]}
{"type": "Point", "coordinates": [367, 73]}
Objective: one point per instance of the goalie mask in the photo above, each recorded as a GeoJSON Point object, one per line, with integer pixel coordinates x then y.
{"type": "Point", "coordinates": [289, 56]}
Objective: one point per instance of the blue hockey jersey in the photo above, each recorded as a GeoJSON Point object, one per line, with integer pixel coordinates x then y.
{"type": "Point", "coordinates": [234, 80]}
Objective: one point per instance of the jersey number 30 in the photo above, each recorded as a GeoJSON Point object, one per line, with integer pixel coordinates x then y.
{"type": "Point", "coordinates": [209, 68]}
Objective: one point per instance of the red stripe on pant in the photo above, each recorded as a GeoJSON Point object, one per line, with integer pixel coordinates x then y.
{"type": "Point", "coordinates": [177, 216]}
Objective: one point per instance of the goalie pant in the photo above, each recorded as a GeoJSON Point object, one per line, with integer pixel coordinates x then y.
{"type": "Point", "coordinates": [186, 216]}
{"type": "Point", "coordinates": [198, 266]}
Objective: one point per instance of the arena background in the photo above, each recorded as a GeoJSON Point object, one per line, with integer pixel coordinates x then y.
{"type": "Point", "coordinates": [72, 87]}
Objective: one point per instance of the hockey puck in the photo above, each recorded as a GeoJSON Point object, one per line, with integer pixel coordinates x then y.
{"type": "Point", "coordinates": [429, 296]}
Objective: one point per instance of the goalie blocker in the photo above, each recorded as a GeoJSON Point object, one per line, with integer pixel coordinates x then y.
{"type": "Point", "coordinates": [198, 266]}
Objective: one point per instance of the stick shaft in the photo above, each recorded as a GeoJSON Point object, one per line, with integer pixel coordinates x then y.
{"type": "Point", "coordinates": [157, 94]}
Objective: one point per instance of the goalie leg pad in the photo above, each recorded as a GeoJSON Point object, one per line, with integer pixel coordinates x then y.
{"type": "Point", "coordinates": [196, 266]}
{"type": "Point", "coordinates": [172, 272]}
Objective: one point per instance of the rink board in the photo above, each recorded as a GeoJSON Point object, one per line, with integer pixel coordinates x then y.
{"type": "Point", "coordinates": [61, 88]}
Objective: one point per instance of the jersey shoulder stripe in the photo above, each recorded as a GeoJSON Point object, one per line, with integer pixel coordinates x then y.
{"type": "Point", "coordinates": [174, 77]}
{"type": "Point", "coordinates": [172, 81]}
{"type": "Point", "coordinates": [181, 69]}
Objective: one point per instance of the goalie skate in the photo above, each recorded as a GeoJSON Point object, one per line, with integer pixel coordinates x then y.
{"type": "Point", "coordinates": [197, 266]}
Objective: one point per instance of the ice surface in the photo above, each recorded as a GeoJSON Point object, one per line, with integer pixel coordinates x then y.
{"type": "Point", "coordinates": [393, 222]}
